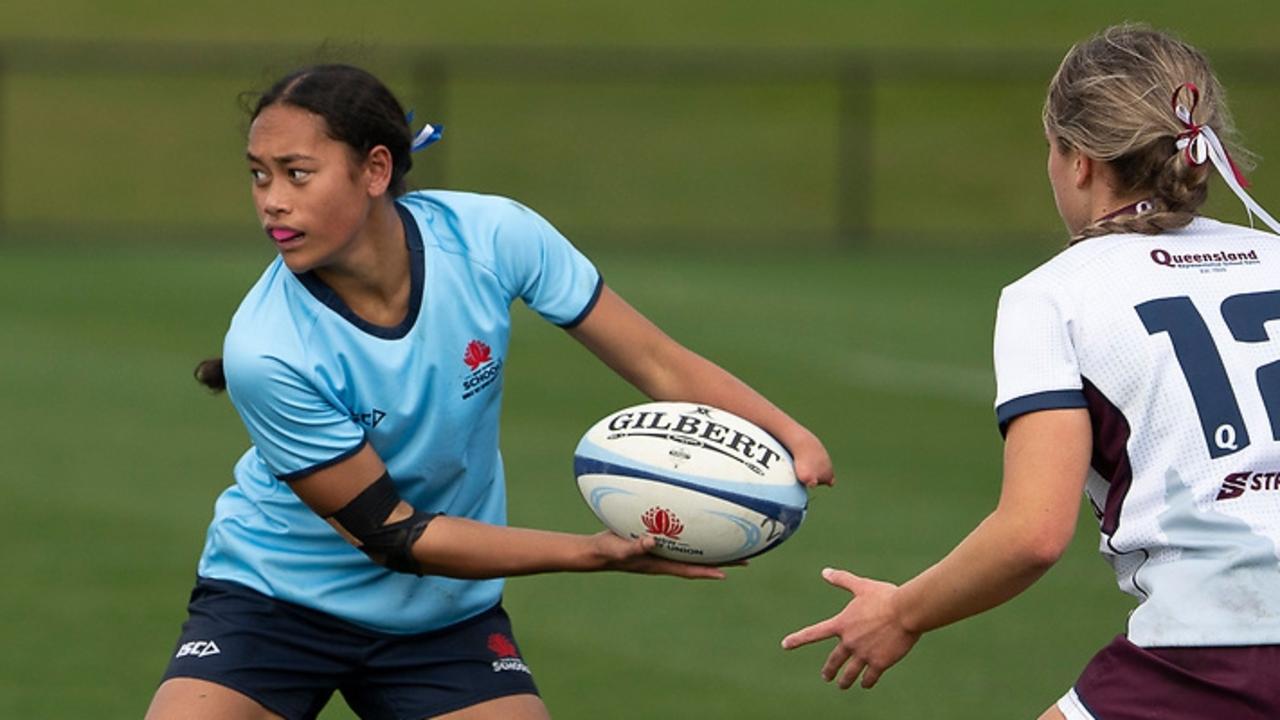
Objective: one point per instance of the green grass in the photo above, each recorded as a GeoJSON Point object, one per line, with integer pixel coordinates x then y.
{"type": "Point", "coordinates": [115, 457]}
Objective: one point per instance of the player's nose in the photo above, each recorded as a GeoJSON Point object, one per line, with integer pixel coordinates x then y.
{"type": "Point", "coordinates": [274, 203]}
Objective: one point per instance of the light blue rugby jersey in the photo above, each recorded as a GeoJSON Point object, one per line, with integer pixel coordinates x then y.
{"type": "Point", "coordinates": [313, 382]}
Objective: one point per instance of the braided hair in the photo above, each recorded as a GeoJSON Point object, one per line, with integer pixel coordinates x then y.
{"type": "Point", "coordinates": [1111, 100]}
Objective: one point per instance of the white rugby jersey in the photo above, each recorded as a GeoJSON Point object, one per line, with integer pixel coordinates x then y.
{"type": "Point", "coordinates": [1172, 342]}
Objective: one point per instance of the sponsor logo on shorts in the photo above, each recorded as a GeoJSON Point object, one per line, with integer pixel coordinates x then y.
{"type": "Point", "coordinates": [1237, 484]}
{"type": "Point", "coordinates": [484, 368]}
{"type": "Point", "coordinates": [661, 521]}
{"type": "Point", "coordinates": [508, 656]}
{"type": "Point", "coordinates": [198, 648]}
{"type": "Point", "coordinates": [1212, 261]}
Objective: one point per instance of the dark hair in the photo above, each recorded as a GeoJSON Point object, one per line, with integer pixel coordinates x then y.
{"type": "Point", "coordinates": [209, 373]}
{"type": "Point", "coordinates": [357, 110]}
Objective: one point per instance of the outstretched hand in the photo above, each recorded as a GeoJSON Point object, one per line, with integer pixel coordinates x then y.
{"type": "Point", "coordinates": [619, 553]}
{"type": "Point", "coordinates": [871, 638]}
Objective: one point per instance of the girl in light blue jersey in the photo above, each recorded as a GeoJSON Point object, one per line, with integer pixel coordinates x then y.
{"type": "Point", "coordinates": [363, 544]}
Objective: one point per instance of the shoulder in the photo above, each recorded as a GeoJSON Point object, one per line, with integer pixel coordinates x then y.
{"type": "Point", "coordinates": [493, 233]}
{"type": "Point", "coordinates": [1208, 230]}
{"type": "Point", "coordinates": [460, 220]}
{"type": "Point", "coordinates": [1081, 269]}
{"type": "Point", "coordinates": [270, 327]}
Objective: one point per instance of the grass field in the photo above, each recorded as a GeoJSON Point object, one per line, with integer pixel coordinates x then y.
{"type": "Point", "coordinates": [126, 241]}
{"type": "Point", "coordinates": [115, 456]}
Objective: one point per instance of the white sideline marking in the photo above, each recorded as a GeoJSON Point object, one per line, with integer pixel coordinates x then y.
{"type": "Point", "coordinates": [913, 377]}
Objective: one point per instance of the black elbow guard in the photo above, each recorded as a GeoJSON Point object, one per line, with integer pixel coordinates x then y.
{"type": "Point", "coordinates": [388, 544]}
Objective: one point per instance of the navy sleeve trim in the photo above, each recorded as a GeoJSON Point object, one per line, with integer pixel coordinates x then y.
{"type": "Point", "coordinates": [1049, 400]}
{"type": "Point", "coordinates": [591, 305]}
{"type": "Point", "coordinates": [299, 474]}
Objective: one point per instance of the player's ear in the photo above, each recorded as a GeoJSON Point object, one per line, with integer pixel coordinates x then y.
{"type": "Point", "coordinates": [378, 166]}
{"type": "Point", "coordinates": [1083, 169]}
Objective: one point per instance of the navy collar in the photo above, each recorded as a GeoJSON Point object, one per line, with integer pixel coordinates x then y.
{"type": "Point", "coordinates": [326, 295]}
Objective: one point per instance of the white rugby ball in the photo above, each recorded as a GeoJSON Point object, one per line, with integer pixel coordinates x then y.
{"type": "Point", "coordinates": [709, 486]}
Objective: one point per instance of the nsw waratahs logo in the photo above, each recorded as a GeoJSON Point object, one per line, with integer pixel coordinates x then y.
{"type": "Point", "coordinates": [483, 368]}
{"type": "Point", "coordinates": [508, 655]}
{"type": "Point", "coordinates": [661, 521]}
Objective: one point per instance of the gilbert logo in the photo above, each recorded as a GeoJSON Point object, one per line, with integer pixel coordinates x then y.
{"type": "Point", "coordinates": [1236, 484]}
{"type": "Point", "coordinates": [695, 428]}
{"type": "Point", "coordinates": [484, 368]}
{"type": "Point", "coordinates": [661, 521]}
{"type": "Point", "coordinates": [198, 648]}
{"type": "Point", "coordinates": [508, 656]}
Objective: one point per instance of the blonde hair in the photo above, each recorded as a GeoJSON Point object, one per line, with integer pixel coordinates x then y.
{"type": "Point", "coordinates": [1112, 99]}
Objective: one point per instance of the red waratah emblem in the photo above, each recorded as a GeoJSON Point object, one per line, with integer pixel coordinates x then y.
{"type": "Point", "coordinates": [502, 647]}
{"type": "Point", "coordinates": [661, 521]}
{"type": "Point", "coordinates": [477, 354]}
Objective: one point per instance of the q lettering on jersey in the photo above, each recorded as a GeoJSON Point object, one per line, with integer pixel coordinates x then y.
{"type": "Point", "coordinates": [1225, 437]}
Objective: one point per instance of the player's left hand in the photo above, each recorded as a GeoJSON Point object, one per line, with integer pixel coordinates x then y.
{"type": "Point", "coordinates": [811, 460]}
{"type": "Point", "coordinates": [871, 637]}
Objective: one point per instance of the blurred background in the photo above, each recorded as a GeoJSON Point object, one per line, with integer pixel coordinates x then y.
{"type": "Point", "coordinates": [825, 197]}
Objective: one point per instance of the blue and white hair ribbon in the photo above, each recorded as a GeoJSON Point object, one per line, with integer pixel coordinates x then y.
{"type": "Point", "coordinates": [1200, 143]}
{"type": "Point", "coordinates": [427, 135]}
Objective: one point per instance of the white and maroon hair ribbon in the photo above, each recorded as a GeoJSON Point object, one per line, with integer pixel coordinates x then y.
{"type": "Point", "coordinates": [1199, 143]}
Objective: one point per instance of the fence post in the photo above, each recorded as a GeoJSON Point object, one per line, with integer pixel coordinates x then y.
{"type": "Point", "coordinates": [431, 84]}
{"type": "Point", "coordinates": [855, 149]}
{"type": "Point", "coordinates": [3, 107]}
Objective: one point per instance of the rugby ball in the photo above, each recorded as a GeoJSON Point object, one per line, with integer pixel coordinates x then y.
{"type": "Point", "coordinates": [709, 486]}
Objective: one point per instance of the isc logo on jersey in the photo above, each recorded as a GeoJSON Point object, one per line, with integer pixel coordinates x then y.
{"type": "Point", "coordinates": [484, 368]}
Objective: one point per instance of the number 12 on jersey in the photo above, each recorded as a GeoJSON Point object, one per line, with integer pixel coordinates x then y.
{"type": "Point", "coordinates": [1246, 316]}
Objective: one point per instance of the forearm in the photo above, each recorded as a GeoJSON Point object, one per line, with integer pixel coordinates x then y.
{"type": "Point", "coordinates": [691, 377]}
{"type": "Point", "coordinates": [666, 370]}
{"type": "Point", "coordinates": [996, 562]}
{"type": "Point", "coordinates": [461, 548]}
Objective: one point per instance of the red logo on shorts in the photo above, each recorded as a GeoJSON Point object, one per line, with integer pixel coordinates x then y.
{"type": "Point", "coordinates": [661, 521]}
{"type": "Point", "coordinates": [508, 657]}
{"type": "Point", "coordinates": [502, 647]}
{"type": "Point", "coordinates": [477, 354]}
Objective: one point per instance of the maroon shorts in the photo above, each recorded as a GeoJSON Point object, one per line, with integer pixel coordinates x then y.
{"type": "Point", "coordinates": [1127, 682]}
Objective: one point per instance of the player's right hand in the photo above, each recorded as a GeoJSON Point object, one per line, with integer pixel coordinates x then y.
{"type": "Point", "coordinates": [870, 637]}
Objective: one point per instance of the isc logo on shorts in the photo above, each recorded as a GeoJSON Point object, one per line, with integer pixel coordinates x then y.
{"type": "Point", "coordinates": [198, 648]}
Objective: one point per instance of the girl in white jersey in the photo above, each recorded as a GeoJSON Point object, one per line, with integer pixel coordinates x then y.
{"type": "Point", "coordinates": [1141, 366]}
{"type": "Point", "coordinates": [366, 364]}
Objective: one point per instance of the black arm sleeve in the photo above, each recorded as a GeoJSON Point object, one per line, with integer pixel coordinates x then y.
{"type": "Point", "coordinates": [388, 544]}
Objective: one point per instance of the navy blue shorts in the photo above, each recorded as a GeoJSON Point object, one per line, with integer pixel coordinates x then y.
{"type": "Point", "coordinates": [290, 658]}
